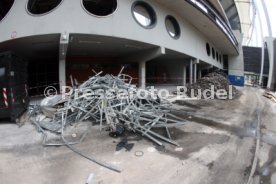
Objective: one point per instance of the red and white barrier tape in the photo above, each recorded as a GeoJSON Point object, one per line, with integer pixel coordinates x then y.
{"type": "Point", "coordinates": [5, 97]}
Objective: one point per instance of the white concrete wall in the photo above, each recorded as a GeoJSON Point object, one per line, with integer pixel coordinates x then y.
{"type": "Point", "coordinates": [236, 63]}
{"type": "Point", "coordinates": [70, 17]}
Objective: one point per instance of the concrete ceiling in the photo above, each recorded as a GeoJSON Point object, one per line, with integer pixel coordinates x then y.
{"type": "Point", "coordinates": [46, 47]}
{"type": "Point", "coordinates": [102, 46]}
{"type": "Point", "coordinates": [40, 48]}
{"type": "Point", "coordinates": [173, 55]}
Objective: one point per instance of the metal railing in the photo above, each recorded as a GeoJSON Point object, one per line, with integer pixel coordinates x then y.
{"type": "Point", "coordinates": [211, 13]}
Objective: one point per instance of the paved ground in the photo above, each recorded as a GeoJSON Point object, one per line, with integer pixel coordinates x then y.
{"type": "Point", "coordinates": [218, 146]}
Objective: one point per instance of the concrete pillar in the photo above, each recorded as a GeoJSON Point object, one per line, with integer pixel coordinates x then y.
{"type": "Point", "coordinates": [184, 75]}
{"type": "Point", "coordinates": [191, 71]}
{"type": "Point", "coordinates": [271, 45]}
{"type": "Point", "coordinates": [236, 64]}
{"type": "Point", "coordinates": [195, 72]}
{"type": "Point", "coordinates": [62, 72]}
{"type": "Point", "coordinates": [64, 40]}
{"type": "Point", "coordinates": [199, 73]}
{"type": "Point", "coordinates": [142, 74]}
{"type": "Point", "coordinates": [141, 58]}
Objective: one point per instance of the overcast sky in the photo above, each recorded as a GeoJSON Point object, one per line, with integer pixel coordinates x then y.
{"type": "Point", "coordinates": [271, 6]}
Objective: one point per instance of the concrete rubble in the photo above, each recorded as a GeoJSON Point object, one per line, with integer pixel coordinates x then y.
{"type": "Point", "coordinates": [112, 102]}
{"type": "Point", "coordinates": [216, 79]}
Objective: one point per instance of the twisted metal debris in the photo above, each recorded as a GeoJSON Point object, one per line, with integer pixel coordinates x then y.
{"type": "Point", "coordinates": [112, 109]}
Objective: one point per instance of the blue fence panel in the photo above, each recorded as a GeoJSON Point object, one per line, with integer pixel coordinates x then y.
{"type": "Point", "coordinates": [236, 80]}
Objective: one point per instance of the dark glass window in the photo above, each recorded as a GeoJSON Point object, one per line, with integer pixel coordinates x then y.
{"type": "Point", "coordinates": [38, 7]}
{"type": "Point", "coordinates": [213, 53]}
{"type": "Point", "coordinates": [100, 7]}
{"type": "Point", "coordinates": [5, 6]}
{"type": "Point", "coordinates": [208, 49]}
{"type": "Point", "coordinates": [144, 14]}
{"type": "Point", "coordinates": [172, 27]}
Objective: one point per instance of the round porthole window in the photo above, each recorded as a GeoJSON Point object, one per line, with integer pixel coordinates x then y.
{"type": "Point", "coordinates": [5, 8]}
{"type": "Point", "coordinates": [144, 14]}
{"type": "Point", "coordinates": [213, 53]}
{"type": "Point", "coordinates": [208, 49]}
{"type": "Point", "coordinates": [38, 7]}
{"type": "Point", "coordinates": [172, 27]}
{"type": "Point", "coordinates": [100, 7]}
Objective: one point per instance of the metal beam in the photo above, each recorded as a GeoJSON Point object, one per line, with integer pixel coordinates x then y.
{"type": "Point", "coordinates": [229, 8]}
{"type": "Point", "coordinates": [233, 16]}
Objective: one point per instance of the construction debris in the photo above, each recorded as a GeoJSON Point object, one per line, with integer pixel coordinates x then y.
{"type": "Point", "coordinates": [216, 80]}
{"type": "Point", "coordinates": [270, 95]}
{"type": "Point", "coordinates": [90, 179]}
{"type": "Point", "coordinates": [111, 101]}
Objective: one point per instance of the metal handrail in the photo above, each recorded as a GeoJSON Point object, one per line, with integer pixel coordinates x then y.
{"type": "Point", "coordinates": [207, 9]}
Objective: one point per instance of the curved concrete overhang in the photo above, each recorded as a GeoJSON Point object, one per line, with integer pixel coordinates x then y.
{"type": "Point", "coordinates": [204, 23]}
{"type": "Point", "coordinates": [219, 8]}
{"type": "Point", "coordinates": [70, 18]}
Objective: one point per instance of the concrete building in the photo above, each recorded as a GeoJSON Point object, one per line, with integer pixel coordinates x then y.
{"type": "Point", "coordinates": [253, 65]}
{"type": "Point", "coordinates": [158, 41]}
{"type": "Point", "coordinates": [261, 68]}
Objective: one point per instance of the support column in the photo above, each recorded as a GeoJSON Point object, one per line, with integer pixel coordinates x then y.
{"type": "Point", "coordinates": [64, 40]}
{"type": "Point", "coordinates": [272, 68]}
{"type": "Point", "coordinates": [195, 72]}
{"type": "Point", "coordinates": [191, 71]}
{"type": "Point", "coordinates": [142, 74]}
{"type": "Point", "coordinates": [199, 74]}
{"type": "Point", "coordinates": [236, 64]}
{"type": "Point", "coordinates": [184, 75]}
{"type": "Point", "coordinates": [143, 57]}
{"type": "Point", "coordinates": [62, 72]}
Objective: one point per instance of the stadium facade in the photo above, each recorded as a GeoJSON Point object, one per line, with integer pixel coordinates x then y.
{"type": "Point", "coordinates": [158, 41]}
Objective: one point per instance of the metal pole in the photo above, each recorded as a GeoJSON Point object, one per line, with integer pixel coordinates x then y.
{"type": "Point", "coordinates": [267, 18]}
{"type": "Point", "coordinates": [271, 62]}
{"type": "Point", "coordinates": [263, 42]}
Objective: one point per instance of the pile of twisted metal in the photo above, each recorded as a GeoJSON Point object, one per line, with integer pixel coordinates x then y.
{"type": "Point", "coordinates": [112, 102]}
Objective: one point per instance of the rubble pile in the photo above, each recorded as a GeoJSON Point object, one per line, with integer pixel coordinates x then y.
{"type": "Point", "coordinates": [114, 103]}
{"type": "Point", "coordinates": [219, 82]}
